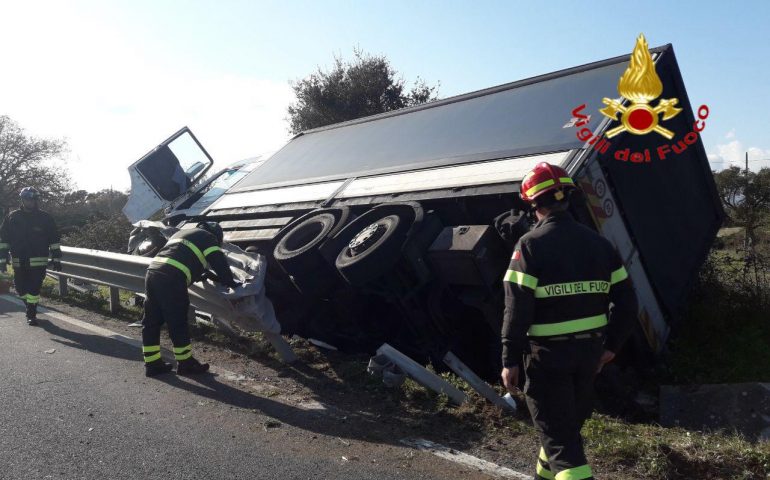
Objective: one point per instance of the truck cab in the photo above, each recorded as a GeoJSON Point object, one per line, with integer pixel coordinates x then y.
{"type": "Point", "coordinates": [170, 182]}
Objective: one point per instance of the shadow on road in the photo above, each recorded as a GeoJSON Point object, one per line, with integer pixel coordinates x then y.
{"type": "Point", "coordinates": [92, 343]}
{"type": "Point", "coordinates": [351, 413]}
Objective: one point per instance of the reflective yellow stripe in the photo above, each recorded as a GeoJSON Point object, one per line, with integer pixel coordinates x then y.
{"type": "Point", "coordinates": [33, 298]}
{"type": "Point", "coordinates": [538, 187]}
{"type": "Point", "coordinates": [15, 262]}
{"type": "Point", "coordinates": [194, 248]}
{"type": "Point", "coordinates": [618, 275]}
{"type": "Point", "coordinates": [566, 180]}
{"type": "Point", "coordinates": [521, 278]}
{"type": "Point", "coordinates": [183, 356]}
{"type": "Point", "coordinates": [176, 264]}
{"type": "Point", "coordinates": [54, 246]}
{"type": "Point", "coordinates": [543, 472]}
{"type": "Point", "coordinates": [152, 358]}
{"type": "Point", "coordinates": [578, 473]}
{"type": "Point", "coordinates": [211, 250]}
{"type": "Point", "coordinates": [571, 326]}
{"type": "Point", "coordinates": [38, 259]}
{"type": "Point", "coordinates": [182, 349]}
{"type": "Point", "coordinates": [543, 456]}
{"type": "Point", "coordinates": [151, 348]}
{"type": "Point", "coordinates": [196, 251]}
{"type": "Point", "coordinates": [572, 288]}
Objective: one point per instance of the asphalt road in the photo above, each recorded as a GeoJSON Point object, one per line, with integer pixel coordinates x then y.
{"type": "Point", "coordinates": [76, 405]}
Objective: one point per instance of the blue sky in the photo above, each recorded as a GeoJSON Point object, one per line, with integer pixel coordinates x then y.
{"type": "Point", "coordinates": [115, 78]}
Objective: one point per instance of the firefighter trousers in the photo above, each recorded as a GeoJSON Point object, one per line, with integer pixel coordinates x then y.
{"type": "Point", "coordinates": [167, 301]}
{"type": "Point", "coordinates": [559, 391]}
{"type": "Point", "coordinates": [28, 281]}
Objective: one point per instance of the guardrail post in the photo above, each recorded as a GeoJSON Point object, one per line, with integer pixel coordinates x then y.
{"type": "Point", "coordinates": [114, 299]}
{"type": "Point", "coordinates": [63, 290]}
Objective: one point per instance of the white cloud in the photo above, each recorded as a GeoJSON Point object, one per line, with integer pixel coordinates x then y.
{"type": "Point", "coordinates": [731, 134]}
{"type": "Point", "coordinates": [734, 153]}
{"type": "Point", "coordinates": [74, 77]}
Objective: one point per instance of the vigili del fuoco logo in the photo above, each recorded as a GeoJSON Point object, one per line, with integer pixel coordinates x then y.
{"type": "Point", "coordinates": [639, 87]}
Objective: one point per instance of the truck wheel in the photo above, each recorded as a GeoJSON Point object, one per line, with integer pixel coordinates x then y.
{"type": "Point", "coordinates": [373, 250]}
{"type": "Point", "coordinates": [303, 237]}
{"type": "Point", "coordinates": [297, 250]}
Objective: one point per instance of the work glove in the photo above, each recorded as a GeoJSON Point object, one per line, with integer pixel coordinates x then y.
{"type": "Point", "coordinates": [55, 265]}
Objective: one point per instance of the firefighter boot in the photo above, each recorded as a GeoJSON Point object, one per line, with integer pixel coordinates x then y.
{"type": "Point", "coordinates": [157, 367]}
{"type": "Point", "coordinates": [31, 313]}
{"type": "Point", "coordinates": [191, 366]}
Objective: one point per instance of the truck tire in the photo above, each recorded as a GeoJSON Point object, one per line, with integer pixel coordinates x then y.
{"type": "Point", "coordinates": [297, 249]}
{"type": "Point", "coordinates": [300, 244]}
{"type": "Point", "coordinates": [303, 237]}
{"type": "Point", "coordinates": [373, 250]}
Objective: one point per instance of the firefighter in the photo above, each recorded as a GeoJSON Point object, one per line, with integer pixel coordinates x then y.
{"type": "Point", "coordinates": [31, 237]}
{"type": "Point", "coordinates": [569, 306]}
{"type": "Point", "coordinates": [184, 260]}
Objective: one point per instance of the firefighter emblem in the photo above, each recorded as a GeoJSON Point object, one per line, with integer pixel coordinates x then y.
{"type": "Point", "coordinates": [640, 85]}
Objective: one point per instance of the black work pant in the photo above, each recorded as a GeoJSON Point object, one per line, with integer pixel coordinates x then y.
{"type": "Point", "coordinates": [559, 391]}
{"type": "Point", "coordinates": [167, 301]}
{"type": "Point", "coordinates": [28, 281]}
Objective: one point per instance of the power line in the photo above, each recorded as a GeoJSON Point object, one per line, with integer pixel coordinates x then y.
{"type": "Point", "coordinates": [738, 161]}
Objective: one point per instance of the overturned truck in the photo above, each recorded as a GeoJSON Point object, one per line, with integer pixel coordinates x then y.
{"type": "Point", "coordinates": [398, 227]}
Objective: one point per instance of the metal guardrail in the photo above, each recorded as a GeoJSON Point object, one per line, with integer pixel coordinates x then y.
{"type": "Point", "coordinates": [120, 271]}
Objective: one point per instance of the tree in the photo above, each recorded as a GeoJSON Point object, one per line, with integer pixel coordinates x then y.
{"type": "Point", "coordinates": [746, 198]}
{"type": "Point", "coordinates": [110, 234]}
{"type": "Point", "coordinates": [365, 86]}
{"type": "Point", "coordinates": [27, 161]}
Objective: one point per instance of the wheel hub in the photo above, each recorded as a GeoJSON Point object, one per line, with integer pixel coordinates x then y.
{"type": "Point", "coordinates": [365, 238]}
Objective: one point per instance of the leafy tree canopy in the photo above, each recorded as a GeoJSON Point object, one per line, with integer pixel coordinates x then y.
{"type": "Point", "coordinates": [746, 198]}
{"type": "Point", "coordinates": [365, 86]}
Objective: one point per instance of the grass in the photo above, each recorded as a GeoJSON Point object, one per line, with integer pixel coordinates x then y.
{"type": "Point", "coordinates": [724, 335]}
{"type": "Point", "coordinates": [96, 301]}
{"type": "Point", "coordinates": [721, 347]}
{"type": "Point", "coordinates": [655, 452]}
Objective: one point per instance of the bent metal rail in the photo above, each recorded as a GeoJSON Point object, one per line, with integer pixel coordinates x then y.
{"type": "Point", "coordinates": [126, 272]}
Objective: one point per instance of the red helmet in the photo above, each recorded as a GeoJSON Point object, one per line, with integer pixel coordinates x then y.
{"type": "Point", "coordinates": [544, 178]}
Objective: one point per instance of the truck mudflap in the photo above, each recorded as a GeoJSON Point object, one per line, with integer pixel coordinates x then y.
{"type": "Point", "coordinates": [609, 222]}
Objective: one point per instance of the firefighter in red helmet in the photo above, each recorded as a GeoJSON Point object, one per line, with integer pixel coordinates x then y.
{"type": "Point", "coordinates": [569, 307]}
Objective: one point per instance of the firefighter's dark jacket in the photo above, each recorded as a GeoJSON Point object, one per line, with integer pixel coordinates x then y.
{"type": "Point", "coordinates": [561, 281]}
{"type": "Point", "coordinates": [189, 253]}
{"type": "Point", "coordinates": [30, 236]}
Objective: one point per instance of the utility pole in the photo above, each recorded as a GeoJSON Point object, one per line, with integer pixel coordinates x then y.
{"type": "Point", "coordinates": [746, 240]}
